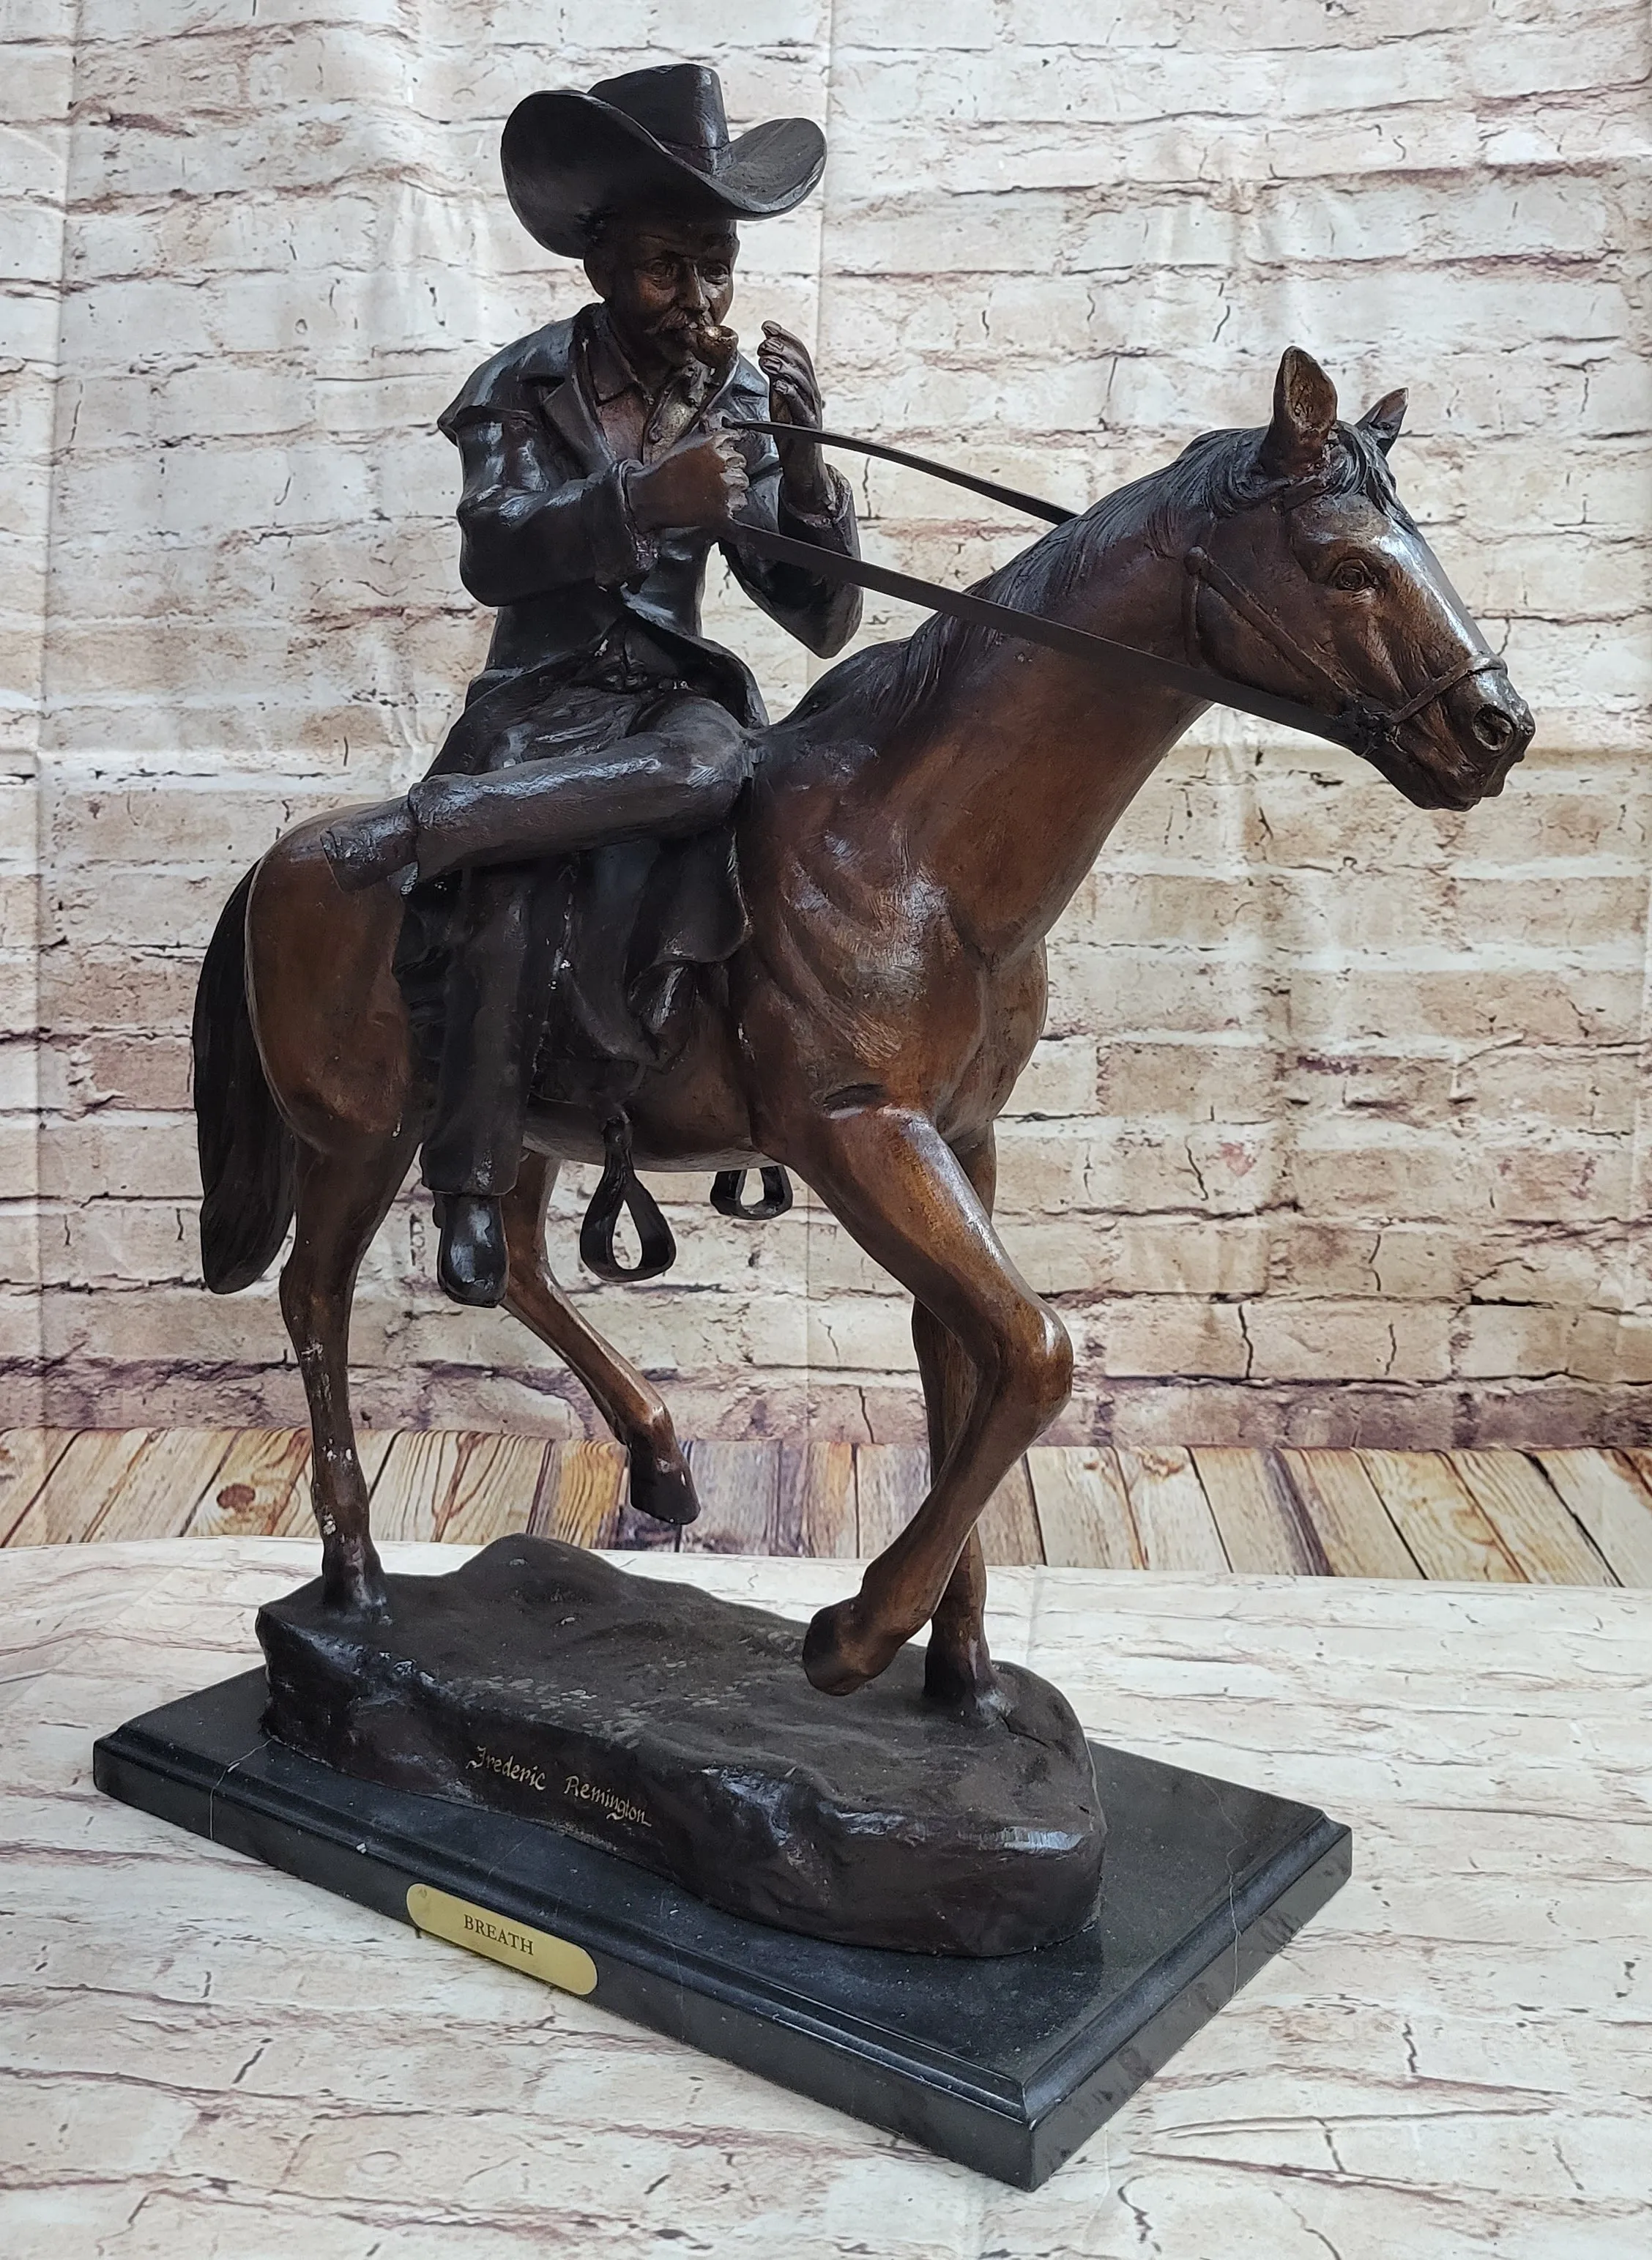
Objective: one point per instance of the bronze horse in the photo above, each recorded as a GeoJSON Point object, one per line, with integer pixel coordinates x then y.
{"type": "Point", "coordinates": [917, 826]}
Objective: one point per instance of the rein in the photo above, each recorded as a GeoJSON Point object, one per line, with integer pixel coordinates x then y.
{"type": "Point", "coordinates": [1358, 723]}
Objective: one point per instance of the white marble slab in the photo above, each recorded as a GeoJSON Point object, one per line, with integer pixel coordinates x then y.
{"type": "Point", "coordinates": [201, 2057]}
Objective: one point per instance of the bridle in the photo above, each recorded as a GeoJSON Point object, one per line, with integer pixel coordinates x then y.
{"type": "Point", "coordinates": [1362, 724]}
{"type": "Point", "coordinates": [1379, 725]}
{"type": "Point", "coordinates": [1358, 722]}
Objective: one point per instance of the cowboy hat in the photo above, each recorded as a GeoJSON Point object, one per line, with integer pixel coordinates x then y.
{"type": "Point", "coordinates": [567, 157]}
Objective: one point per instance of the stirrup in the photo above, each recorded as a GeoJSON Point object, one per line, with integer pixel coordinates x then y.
{"type": "Point", "coordinates": [729, 1184]}
{"type": "Point", "coordinates": [657, 1250]}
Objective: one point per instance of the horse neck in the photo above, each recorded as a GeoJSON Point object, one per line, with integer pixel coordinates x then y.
{"type": "Point", "coordinates": [1006, 792]}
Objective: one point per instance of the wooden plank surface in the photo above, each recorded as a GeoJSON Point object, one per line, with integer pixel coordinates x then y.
{"type": "Point", "coordinates": [890, 1483]}
{"type": "Point", "coordinates": [260, 1490]}
{"type": "Point", "coordinates": [493, 1489]}
{"type": "Point", "coordinates": [581, 1493]}
{"type": "Point", "coordinates": [1437, 1518]}
{"type": "Point", "coordinates": [738, 1488]}
{"type": "Point", "coordinates": [165, 1484]}
{"type": "Point", "coordinates": [1172, 1514]}
{"type": "Point", "coordinates": [1084, 1517]}
{"type": "Point", "coordinates": [815, 1507]}
{"type": "Point", "coordinates": [27, 1456]}
{"type": "Point", "coordinates": [1604, 1492]}
{"type": "Point", "coordinates": [1536, 1527]}
{"type": "Point", "coordinates": [1582, 1517]}
{"type": "Point", "coordinates": [1355, 1530]}
{"type": "Point", "coordinates": [1257, 1516]}
{"type": "Point", "coordinates": [411, 1496]}
{"type": "Point", "coordinates": [1009, 1521]}
{"type": "Point", "coordinates": [79, 1486]}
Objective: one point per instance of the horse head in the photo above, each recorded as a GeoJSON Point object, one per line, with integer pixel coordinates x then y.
{"type": "Point", "coordinates": [1312, 579]}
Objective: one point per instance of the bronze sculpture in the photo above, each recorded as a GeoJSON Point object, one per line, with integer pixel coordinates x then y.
{"type": "Point", "coordinates": [871, 1025]}
{"type": "Point", "coordinates": [626, 921]}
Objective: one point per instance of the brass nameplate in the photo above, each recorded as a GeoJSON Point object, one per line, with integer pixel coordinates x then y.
{"type": "Point", "coordinates": [558, 1960]}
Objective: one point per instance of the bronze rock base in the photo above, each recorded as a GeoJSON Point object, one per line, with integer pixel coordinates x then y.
{"type": "Point", "coordinates": [679, 1731]}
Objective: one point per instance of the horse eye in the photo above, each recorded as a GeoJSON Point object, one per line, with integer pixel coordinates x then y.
{"type": "Point", "coordinates": [1350, 575]}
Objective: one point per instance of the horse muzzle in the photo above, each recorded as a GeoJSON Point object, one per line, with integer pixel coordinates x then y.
{"type": "Point", "coordinates": [1492, 726]}
{"type": "Point", "coordinates": [1484, 727]}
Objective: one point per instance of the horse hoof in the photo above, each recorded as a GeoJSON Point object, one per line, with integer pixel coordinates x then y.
{"type": "Point", "coordinates": [356, 1597]}
{"type": "Point", "coordinates": [839, 1655]}
{"type": "Point", "coordinates": [355, 1585]}
{"type": "Point", "coordinates": [663, 1489]}
{"type": "Point", "coordinates": [965, 1686]}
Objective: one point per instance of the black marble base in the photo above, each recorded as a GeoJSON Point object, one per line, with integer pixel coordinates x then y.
{"type": "Point", "coordinates": [1005, 2064]}
{"type": "Point", "coordinates": [680, 1731]}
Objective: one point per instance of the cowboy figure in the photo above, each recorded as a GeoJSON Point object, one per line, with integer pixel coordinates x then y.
{"type": "Point", "coordinates": [563, 908]}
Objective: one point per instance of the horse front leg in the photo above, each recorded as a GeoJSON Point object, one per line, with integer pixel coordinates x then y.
{"type": "Point", "coordinates": [661, 1483]}
{"type": "Point", "coordinates": [957, 1665]}
{"type": "Point", "coordinates": [342, 1201]}
{"type": "Point", "coordinates": [892, 1178]}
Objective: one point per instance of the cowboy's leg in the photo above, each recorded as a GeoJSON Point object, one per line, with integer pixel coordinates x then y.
{"type": "Point", "coordinates": [678, 776]}
{"type": "Point", "coordinates": [681, 777]}
{"type": "Point", "coordinates": [474, 1142]}
{"type": "Point", "coordinates": [495, 999]}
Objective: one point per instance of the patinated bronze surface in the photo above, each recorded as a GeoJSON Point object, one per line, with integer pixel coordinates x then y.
{"type": "Point", "coordinates": [910, 836]}
{"type": "Point", "coordinates": [677, 1730]}
{"type": "Point", "coordinates": [604, 459]}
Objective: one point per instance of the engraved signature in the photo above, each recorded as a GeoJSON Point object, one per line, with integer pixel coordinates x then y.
{"type": "Point", "coordinates": [577, 1789]}
{"type": "Point", "coordinates": [487, 1761]}
{"type": "Point", "coordinates": [606, 1800]}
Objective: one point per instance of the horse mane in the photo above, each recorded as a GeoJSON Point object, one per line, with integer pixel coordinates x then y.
{"type": "Point", "coordinates": [1217, 474]}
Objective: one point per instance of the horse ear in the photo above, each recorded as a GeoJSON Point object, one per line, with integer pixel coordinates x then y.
{"type": "Point", "coordinates": [1384, 421]}
{"type": "Point", "coordinates": [1303, 413]}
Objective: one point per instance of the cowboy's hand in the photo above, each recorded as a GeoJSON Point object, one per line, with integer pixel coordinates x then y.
{"type": "Point", "coordinates": [702, 483]}
{"type": "Point", "coordinates": [793, 397]}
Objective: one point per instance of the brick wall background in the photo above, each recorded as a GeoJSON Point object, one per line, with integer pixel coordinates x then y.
{"type": "Point", "coordinates": [1342, 1125]}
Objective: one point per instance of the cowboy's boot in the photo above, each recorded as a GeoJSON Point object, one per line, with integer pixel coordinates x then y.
{"type": "Point", "coordinates": [471, 1262]}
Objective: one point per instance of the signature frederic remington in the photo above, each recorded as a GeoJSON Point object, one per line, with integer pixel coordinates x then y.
{"type": "Point", "coordinates": [487, 1761]}
{"type": "Point", "coordinates": [576, 1788]}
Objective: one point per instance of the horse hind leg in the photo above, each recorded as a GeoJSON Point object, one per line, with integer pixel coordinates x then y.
{"type": "Point", "coordinates": [343, 1197]}
{"type": "Point", "coordinates": [661, 1483]}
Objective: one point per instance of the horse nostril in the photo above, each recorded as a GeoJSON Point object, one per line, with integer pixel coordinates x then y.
{"type": "Point", "coordinates": [1494, 729]}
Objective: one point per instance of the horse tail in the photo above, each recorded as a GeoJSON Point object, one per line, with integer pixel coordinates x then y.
{"type": "Point", "coordinates": [248, 1155]}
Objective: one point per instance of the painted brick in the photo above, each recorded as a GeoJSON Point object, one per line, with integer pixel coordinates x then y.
{"type": "Point", "coordinates": [1329, 1339]}
{"type": "Point", "coordinates": [1380, 1073]}
{"type": "Point", "coordinates": [1168, 1335]}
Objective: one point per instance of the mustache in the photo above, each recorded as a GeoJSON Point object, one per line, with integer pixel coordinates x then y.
{"type": "Point", "coordinates": [708, 341]}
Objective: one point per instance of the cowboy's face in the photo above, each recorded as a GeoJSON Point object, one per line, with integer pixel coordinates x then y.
{"type": "Point", "coordinates": [667, 282]}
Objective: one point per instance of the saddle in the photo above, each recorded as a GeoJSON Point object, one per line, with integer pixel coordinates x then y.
{"type": "Point", "coordinates": [631, 934]}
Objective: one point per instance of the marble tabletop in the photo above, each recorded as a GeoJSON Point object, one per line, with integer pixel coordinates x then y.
{"type": "Point", "coordinates": [200, 2056]}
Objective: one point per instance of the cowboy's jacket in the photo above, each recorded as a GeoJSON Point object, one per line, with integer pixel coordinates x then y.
{"type": "Point", "coordinates": [550, 541]}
